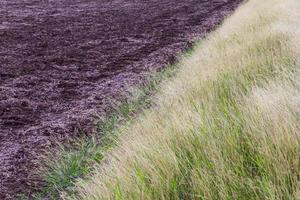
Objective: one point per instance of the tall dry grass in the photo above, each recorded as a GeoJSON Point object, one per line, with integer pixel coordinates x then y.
{"type": "Point", "coordinates": [226, 127]}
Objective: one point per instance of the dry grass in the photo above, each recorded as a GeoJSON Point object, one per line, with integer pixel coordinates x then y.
{"type": "Point", "coordinates": [226, 127]}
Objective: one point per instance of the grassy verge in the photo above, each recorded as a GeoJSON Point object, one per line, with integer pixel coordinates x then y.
{"type": "Point", "coordinates": [226, 127]}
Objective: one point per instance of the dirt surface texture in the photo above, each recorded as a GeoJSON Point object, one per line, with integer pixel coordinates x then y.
{"type": "Point", "coordinates": [62, 61]}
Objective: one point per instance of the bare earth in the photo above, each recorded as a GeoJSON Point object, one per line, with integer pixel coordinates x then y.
{"type": "Point", "coordinates": [61, 61]}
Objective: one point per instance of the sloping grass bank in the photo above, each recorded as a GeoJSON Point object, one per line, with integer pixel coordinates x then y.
{"type": "Point", "coordinates": [226, 127]}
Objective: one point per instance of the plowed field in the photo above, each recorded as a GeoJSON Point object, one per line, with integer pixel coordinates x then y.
{"type": "Point", "coordinates": [62, 61]}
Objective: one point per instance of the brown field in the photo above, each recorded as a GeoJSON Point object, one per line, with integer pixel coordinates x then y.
{"type": "Point", "coordinates": [63, 61]}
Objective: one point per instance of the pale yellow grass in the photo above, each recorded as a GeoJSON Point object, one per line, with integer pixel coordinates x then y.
{"type": "Point", "coordinates": [226, 126]}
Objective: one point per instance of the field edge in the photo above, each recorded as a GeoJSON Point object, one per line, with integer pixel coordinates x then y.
{"type": "Point", "coordinates": [212, 136]}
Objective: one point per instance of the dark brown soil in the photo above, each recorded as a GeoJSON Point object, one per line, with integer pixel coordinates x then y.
{"type": "Point", "coordinates": [61, 61]}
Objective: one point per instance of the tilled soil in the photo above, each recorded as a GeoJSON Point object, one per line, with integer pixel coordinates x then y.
{"type": "Point", "coordinates": [62, 61]}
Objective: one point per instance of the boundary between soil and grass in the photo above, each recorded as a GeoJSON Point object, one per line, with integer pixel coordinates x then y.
{"type": "Point", "coordinates": [62, 167]}
{"type": "Point", "coordinates": [76, 159]}
{"type": "Point", "coordinates": [227, 127]}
